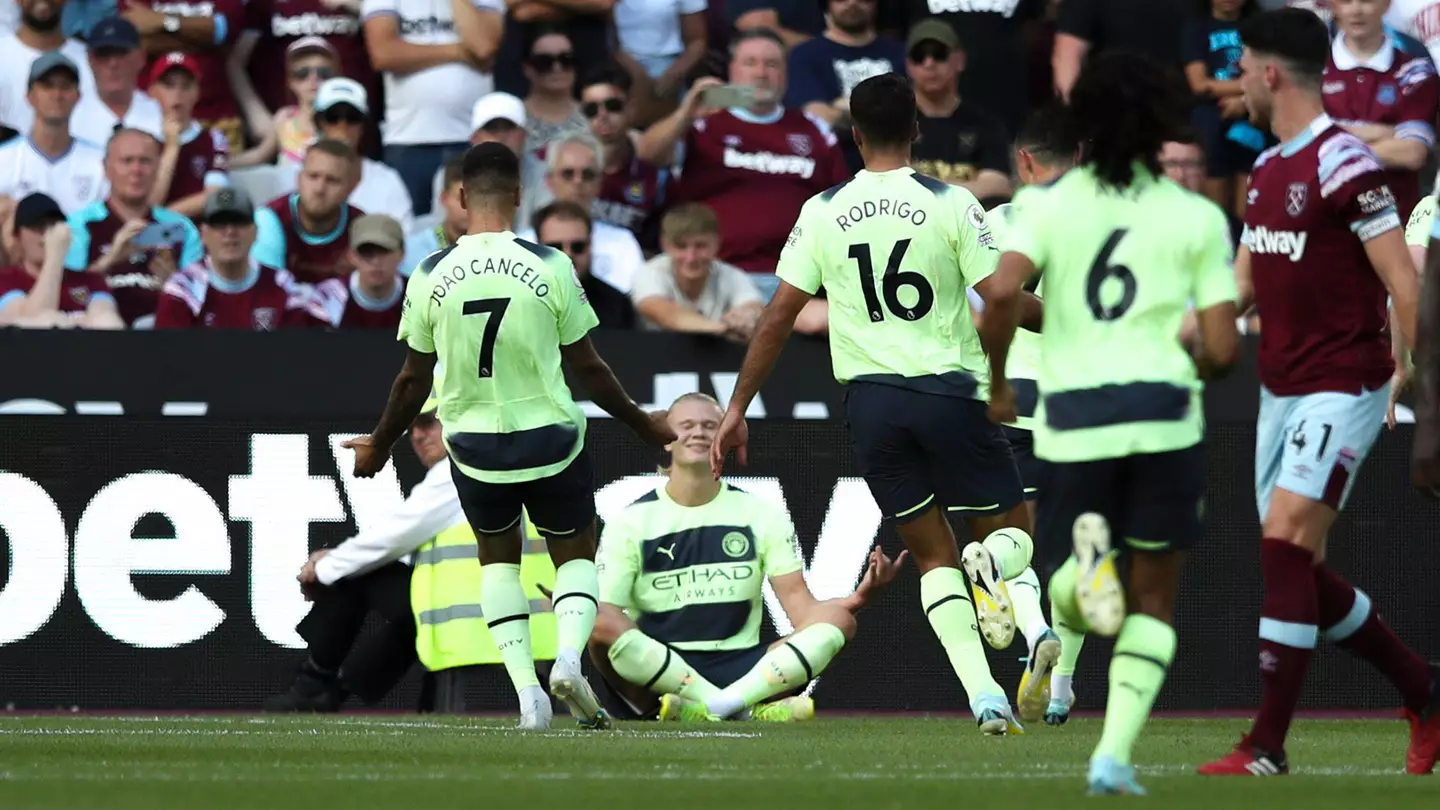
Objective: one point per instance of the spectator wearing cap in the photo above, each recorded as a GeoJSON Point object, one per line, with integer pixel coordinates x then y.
{"type": "Point", "coordinates": [997, 55]}
{"type": "Point", "coordinates": [632, 191]}
{"type": "Point", "coordinates": [307, 231]}
{"type": "Point", "coordinates": [825, 69]}
{"type": "Point", "coordinates": [436, 59]}
{"type": "Point", "coordinates": [135, 244]}
{"type": "Point", "coordinates": [794, 20]}
{"type": "Point", "coordinates": [226, 288]}
{"type": "Point", "coordinates": [309, 63]}
{"type": "Point", "coordinates": [342, 113]}
{"type": "Point", "coordinates": [573, 168]}
{"type": "Point", "coordinates": [371, 298]}
{"type": "Point", "coordinates": [500, 118]}
{"type": "Point", "coordinates": [686, 289]}
{"type": "Point", "coordinates": [206, 31]}
{"type": "Point", "coordinates": [38, 291]}
{"type": "Point", "coordinates": [259, 66]}
{"type": "Point", "coordinates": [115, 60]}
{"type": "Point", "coordinates": [39, 33]}
{"type": "Point", "coordinates": [958, 143]}
{"type": "Point", "coordinates": [565, 226]}
{"type": "Point", "coordinates": [453, 223]}
{"type": "Point", "coordinates": [50, 160]}
{"type": "Point", "coordinates": [195, 158]}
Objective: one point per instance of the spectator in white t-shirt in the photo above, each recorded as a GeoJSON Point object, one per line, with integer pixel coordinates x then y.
{"type": "Point", "coordinates": [668, 39]}
{"type": "Point", "coordinates": [436, 67]}
{"type": "Point", "coordinates": [50, 160]}
{"type": "Point", "coordinates": [687, 289]}
{"type": "Point", "coordinates": [116, 59]}
{"type": "Point", "coordinates": [342, 111]}
{"type": "Point", "coordinates": [573, 166]}
{"type": "Point", "coordinates": [39, 32]}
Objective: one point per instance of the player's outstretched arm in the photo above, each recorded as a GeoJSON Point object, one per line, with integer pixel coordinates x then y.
{"type": "Point", "coordinates": [407, 395]}
{"type": "Point", "coordinates": [597, 380]}
{"type": "Point", "coordinates": [1391, 260]}
{"type": "Point", "coordinates": [776, 324]}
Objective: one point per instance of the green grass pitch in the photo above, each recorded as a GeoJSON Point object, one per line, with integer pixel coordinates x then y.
{"type": "Point", "coordinates": [382, 761]}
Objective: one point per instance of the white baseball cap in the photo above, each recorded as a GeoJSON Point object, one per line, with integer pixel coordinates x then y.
{"type": "Point", "coordinates": [341, 90]}
{"type": "Point", "coordinates": [494, 107]}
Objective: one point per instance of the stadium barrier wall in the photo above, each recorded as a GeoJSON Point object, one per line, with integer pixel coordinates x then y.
{"type": "Point", "coordinates": [157, 497]}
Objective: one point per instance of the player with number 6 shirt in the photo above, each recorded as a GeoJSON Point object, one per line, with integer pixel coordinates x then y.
{"type": "Point", "coordinates": [1123, 251]}
{"type": "Point", "coordinates": [895, 250]}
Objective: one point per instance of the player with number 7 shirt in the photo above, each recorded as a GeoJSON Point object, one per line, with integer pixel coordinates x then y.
{"type": "Point", "coordinates": [503, 315]}
{"type": "Point", "coordinates": [895, 250]}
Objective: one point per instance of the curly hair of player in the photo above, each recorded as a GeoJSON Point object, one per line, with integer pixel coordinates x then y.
{"type": "Point", "coordinates": [1123, 108]}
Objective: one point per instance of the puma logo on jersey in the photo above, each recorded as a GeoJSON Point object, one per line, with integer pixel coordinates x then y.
{"type": "Point", "coordinates": [1285, 243]}
{"type": "Point", "coordinates": [668, 552]}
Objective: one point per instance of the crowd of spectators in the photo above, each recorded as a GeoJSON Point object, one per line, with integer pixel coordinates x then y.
{"type": "Point", "coordinates": [666, 145]}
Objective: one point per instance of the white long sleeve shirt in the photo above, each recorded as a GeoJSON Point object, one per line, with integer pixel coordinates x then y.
{"type": "Point", "coordinates": [433, 507]}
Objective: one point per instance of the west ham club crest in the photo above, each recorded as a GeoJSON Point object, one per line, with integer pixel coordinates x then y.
{"type": "Point", "coordinates": [1295, 198]}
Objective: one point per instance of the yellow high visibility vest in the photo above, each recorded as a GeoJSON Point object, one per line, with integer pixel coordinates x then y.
{"type": "Point", "coordinates": [445, 597]}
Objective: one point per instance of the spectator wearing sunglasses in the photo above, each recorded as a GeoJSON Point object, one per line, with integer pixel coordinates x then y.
{"type": "Point", "coordinates": [116, 60]}
{"type": "Point", "coordinates": [997, 56]}
{"type": "Point", "coordinates": [195, 158]}
{"type": "Point", "coordinates": [632, 191]}
{"type": "Point", "coordinates": [259, 65]}
{"type": "Point", "coordinates": [565, 226]}
{"type": "Point", "coordinates": [309, 62]}
{"type": "Point", "coordinates": [342, 113]}
{"type": "Point", "coordinates": [551, 111]}
{"type": "Point", "coordinates": [959, 143]}
{"type": "Point", "coordinates": [436, 56]}
{"type": "Point", "coordinates": [573, 175]}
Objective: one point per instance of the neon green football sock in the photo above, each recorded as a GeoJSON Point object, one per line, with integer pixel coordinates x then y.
{"type": "Point", "coordinates": [785, 667]}
{"type": "Point", "coordinates": [1025, 598]}
{"type": "Point", "coordinates": [576, 598]}
{"type": "Point", "coordinates": [945, 597]}
{"type": "Point", "coordinates": [1143, 652]}
{"type": "Point", "coordinates": [1012, 549]}
{"type": "Point", "coordinates": [646, 662]}
{"type": "Point", "coordinates": [1063, 610]}
{"type": "Point", "coordinates": [507, 612]}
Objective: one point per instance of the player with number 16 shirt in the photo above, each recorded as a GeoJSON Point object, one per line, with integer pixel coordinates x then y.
{"type": "Point", "coordinates": [895, 250]}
